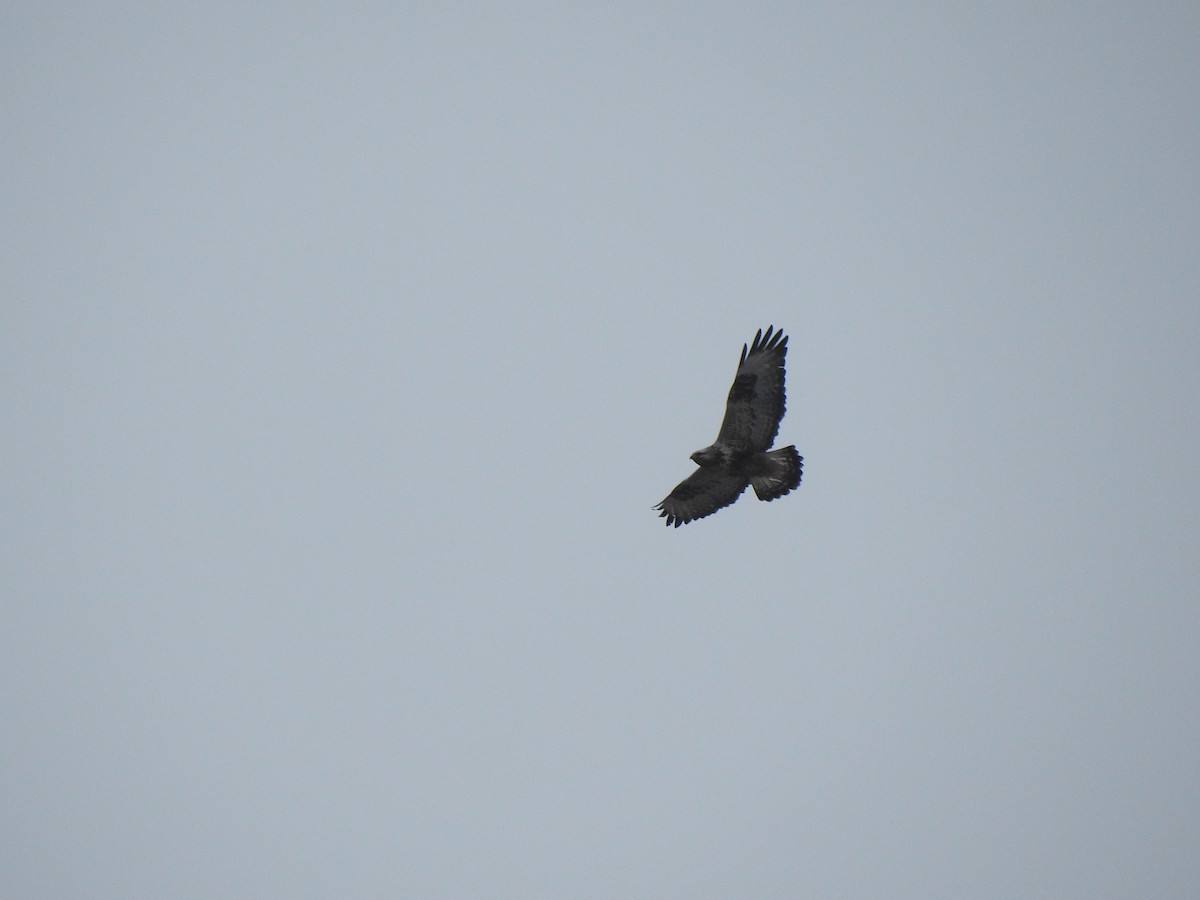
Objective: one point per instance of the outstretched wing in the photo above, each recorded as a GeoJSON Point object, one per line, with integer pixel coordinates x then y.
{"type": "Point", "coordinates": [701, 494]}
{"type": "Point", "coordinates": [756, 401]}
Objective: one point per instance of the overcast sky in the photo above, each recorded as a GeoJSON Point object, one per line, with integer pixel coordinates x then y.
{"type": "Point", "coordinates": [345, 349]}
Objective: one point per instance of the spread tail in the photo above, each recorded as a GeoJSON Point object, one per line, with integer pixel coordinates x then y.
{"type": "Point", "coordinates": [776, 473]}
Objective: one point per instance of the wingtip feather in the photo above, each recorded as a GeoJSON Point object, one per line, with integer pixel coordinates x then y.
{"type": "Point", "coordinates": [764, 341]}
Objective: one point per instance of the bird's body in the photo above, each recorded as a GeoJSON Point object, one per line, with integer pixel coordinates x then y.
{"type": "Point", "coordinates": [740, 456]}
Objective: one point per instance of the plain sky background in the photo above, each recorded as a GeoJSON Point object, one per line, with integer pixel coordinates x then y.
{"type": "Point", "coordinates": [346, 348]}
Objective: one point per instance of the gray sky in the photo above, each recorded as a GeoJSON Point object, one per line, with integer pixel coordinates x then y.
{"type": "Point", "coordinates": [345, 349]}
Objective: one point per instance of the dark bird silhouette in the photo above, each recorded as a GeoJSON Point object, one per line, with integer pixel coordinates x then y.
{"type": "Point", "coordinates": [741, 454]}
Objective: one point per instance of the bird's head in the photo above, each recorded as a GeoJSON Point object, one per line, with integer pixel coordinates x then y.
{"type": "Point", "coordinates": [706, 457]}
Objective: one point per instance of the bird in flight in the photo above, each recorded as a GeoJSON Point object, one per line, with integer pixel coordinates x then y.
{"type": "Point", "coordinates": [741, 454]}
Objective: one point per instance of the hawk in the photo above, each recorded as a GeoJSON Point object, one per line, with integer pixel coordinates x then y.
{"type": "Point", "coordinates": [741, 454]}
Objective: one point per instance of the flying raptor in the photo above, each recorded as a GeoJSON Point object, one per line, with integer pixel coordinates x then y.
{"type": "Point", "coordinates": [741, 454]}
